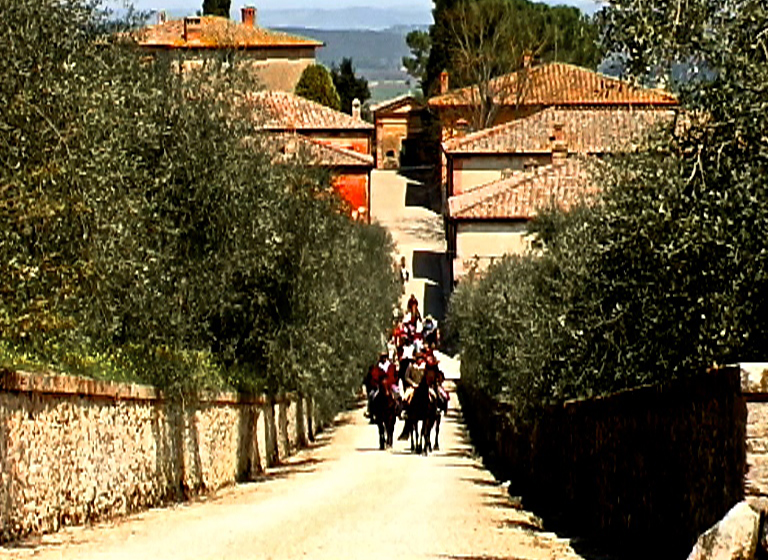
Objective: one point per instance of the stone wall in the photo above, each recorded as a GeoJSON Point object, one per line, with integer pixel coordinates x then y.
{"type": "Point", "coordinates": [754, 385]}
{"type": "Point", "coordinates": [74, 450]}
{"type": "Point", "coordinates": [651, 467]}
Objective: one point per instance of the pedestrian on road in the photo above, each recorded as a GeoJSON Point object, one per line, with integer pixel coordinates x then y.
{"type": "Point", "coordinates": [404, 274]}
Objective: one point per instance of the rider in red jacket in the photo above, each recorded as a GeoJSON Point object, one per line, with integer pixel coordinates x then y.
{"type": "Point", "coordinates": [382, 375]}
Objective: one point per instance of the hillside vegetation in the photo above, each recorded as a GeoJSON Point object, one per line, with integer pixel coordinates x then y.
{"type": "Point", "coordinates": [377, 55]}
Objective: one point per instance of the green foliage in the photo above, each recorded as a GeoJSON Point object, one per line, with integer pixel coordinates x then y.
{"type": "Point", "coordinates": [316, 84]}
{"type": "Point", "coordinates": [142, 236]}
{"type": "Point", "coordinates": [477, 40]}
{"type": "Point", "coordinates": [667, 273]}
{"type": "Point", "coordinates": [216, 8]}
{"type": "Point", "coordinates": [416, 65]}
{"type": "Point", "coordinates": [349, 86]}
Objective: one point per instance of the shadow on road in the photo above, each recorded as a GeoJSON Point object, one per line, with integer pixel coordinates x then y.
{"type": "Point", "coordinates": [422, 195]}
{"type": "Point", "coordinates": [589, 547]}
{"type": "Point", "coordinates": [484, 557]}
{"type": "Point", "coordinates": [291, 468]}
{"type": "Point", "coordinates": [481, 482]}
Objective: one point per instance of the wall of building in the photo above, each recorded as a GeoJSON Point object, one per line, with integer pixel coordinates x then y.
{"type": "Point", "coordinates": [280, 74]}
{"type": "Point", "coordinates": [277, 70]}
{"type": "Point", "coordinates": [74, 450]}
{"type": "Point", "coordinates": [454, 119]}
{"type": "Point", "coordinates": [651, 467]}
{"type": "Point", "coordinates": [359, 142]}
{"type": "Point", "coordinates": [473, 171]}
{"type": "Point", "coordinates": [390, 133]}
{"type": "Point", "coordinates": [353, 186]}
{"type": "Point", "coordinates": [488, 241]}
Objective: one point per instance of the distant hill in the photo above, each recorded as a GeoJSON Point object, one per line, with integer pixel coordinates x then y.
{"type": "Point", "coordinates": [345, 19]}
{"type": "Point", "coordinates": [377, 55]}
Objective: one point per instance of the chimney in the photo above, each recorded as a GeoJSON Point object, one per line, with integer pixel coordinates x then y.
{"type": "Point", "coordinates": [290, 146]}
{"type": "Point", "coordinates": [527, 59]}
{"type": "Point", "coordinates": [248, 14]}
{"type": "Point", "coordinates": [192, 28]}
{"type": "Point", "coordinates": [356, 108]}
{"type": "Point", "coordinates": [162, 17]}
{"type": "Point", "coordinates": [559, 145]}
{"type": "Point", "coordinates": [443, 82]}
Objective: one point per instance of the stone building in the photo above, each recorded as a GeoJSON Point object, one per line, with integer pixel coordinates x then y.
{"type": "Point", "coordinates": [277, 59]}
{"type": "Point", "coordinates": [400, 124]}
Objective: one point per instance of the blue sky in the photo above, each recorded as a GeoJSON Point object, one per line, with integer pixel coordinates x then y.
{"type": "Point", "coordinates": [192, 5]}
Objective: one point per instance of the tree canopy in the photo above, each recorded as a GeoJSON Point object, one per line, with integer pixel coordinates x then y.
{"type": "Point", "coordinates": [348, 85]}
{"type": "Point", "coordinates": [149, 235]}
{"type": "Point", "coordinates": [416, 65]}
{"type": "Point", "coordinates": [315, 84]}
{"type": "Point", "coordinates": [216, 8]}
{"type": "Point", "coordinates": [477, 39]}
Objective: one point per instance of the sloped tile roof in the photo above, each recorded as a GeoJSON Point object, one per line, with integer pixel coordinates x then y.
{"type": "Point", "coordinates": [397, 102]}
{"type": "Point", "coordinates": [218, 32]}
{"type": "Point", "coordinates": [556, 83]}
{"type": "Point", "coordinates": [283, 111]}
{"type": "Point", "coordinates": [288, 147]}
{"type": "Point", "coordinates": [586, 130]}
{"type": "Point", "coordinates": [521, 195]}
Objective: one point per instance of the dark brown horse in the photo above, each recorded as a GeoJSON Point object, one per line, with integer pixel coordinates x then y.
{"type": "Point", "coordinates": [422, 416]}
{"type": "Point", "coordinates": [384, 412]}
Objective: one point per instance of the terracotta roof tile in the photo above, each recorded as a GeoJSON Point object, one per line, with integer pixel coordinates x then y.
{"type": "Point", "coordinates": [396, 102]}
{"type": "Point", "coordinates": [586, 130]}
{"type": "Point", "coordinates": [283, 111]}
{"type": "Point", "coordinates": [521, 195]}
{"type": "Point", "coordinates": [288, 147]}
{"type": "Point", "coordinates": [557, 83]}
{"type": "Point", "coordinates": [218, 32]}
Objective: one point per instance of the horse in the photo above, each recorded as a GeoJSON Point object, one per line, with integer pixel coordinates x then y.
{"type": "Point", "coordinates": [384, 412]}
{"type": "Point", "coordinates": [422, 416]}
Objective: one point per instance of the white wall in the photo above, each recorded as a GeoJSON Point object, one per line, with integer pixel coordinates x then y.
{"type": "Point", "coordinates": [488, 241]}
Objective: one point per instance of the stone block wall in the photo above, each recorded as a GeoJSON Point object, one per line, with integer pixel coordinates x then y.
{"type": "Point", "coordinates": [651, 467]}
{"type": "Point", "coordinates": [756, 481]}
{"type": "Point", "coordinates": [74, 450]}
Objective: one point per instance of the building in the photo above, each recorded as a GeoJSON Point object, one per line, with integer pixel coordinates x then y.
{"type": "Point", "coordinates": [546, 121]}
{"type": "Point", "coordinates": [490, 221]}
{"type": "Point", "coordinates": [528, 142]}
{"type": "Point", "coordinates": [344, 142]}
{"type": "Point", "coordinates": [534, 88]}
{"type": "Point", "coordinates": [277, 59]}
{"type": "Point", "coordinates": [350, 170]}
{"type": "Point", "coordinates": [400, 124]}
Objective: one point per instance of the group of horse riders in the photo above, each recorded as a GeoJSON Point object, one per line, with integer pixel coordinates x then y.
{"type": "Point", "coordinates": [408, 363]}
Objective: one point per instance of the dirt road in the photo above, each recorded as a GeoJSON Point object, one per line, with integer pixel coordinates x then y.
{"type": "Point", "coordinates": [341, 499]}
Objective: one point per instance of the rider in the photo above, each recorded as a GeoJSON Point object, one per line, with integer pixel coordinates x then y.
{"type": "Point", "coordinates": [435, 379]}
{"type": "Point", "coordinates": [381, 375]}
{"type": "Point", "coordinates": [431, 332]}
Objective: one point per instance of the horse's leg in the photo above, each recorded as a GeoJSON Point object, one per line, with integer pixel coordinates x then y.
{"type": "Point", "coordinates": [426, 433]}
{"type": "Point", "coordinates": [425, 436]}
{"type": "Point", "coordinates": [382, 433]}
{"type": "Point", "coordinates": [416, 436]}
{"type": "Point", "coordinates": [437, 432]}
